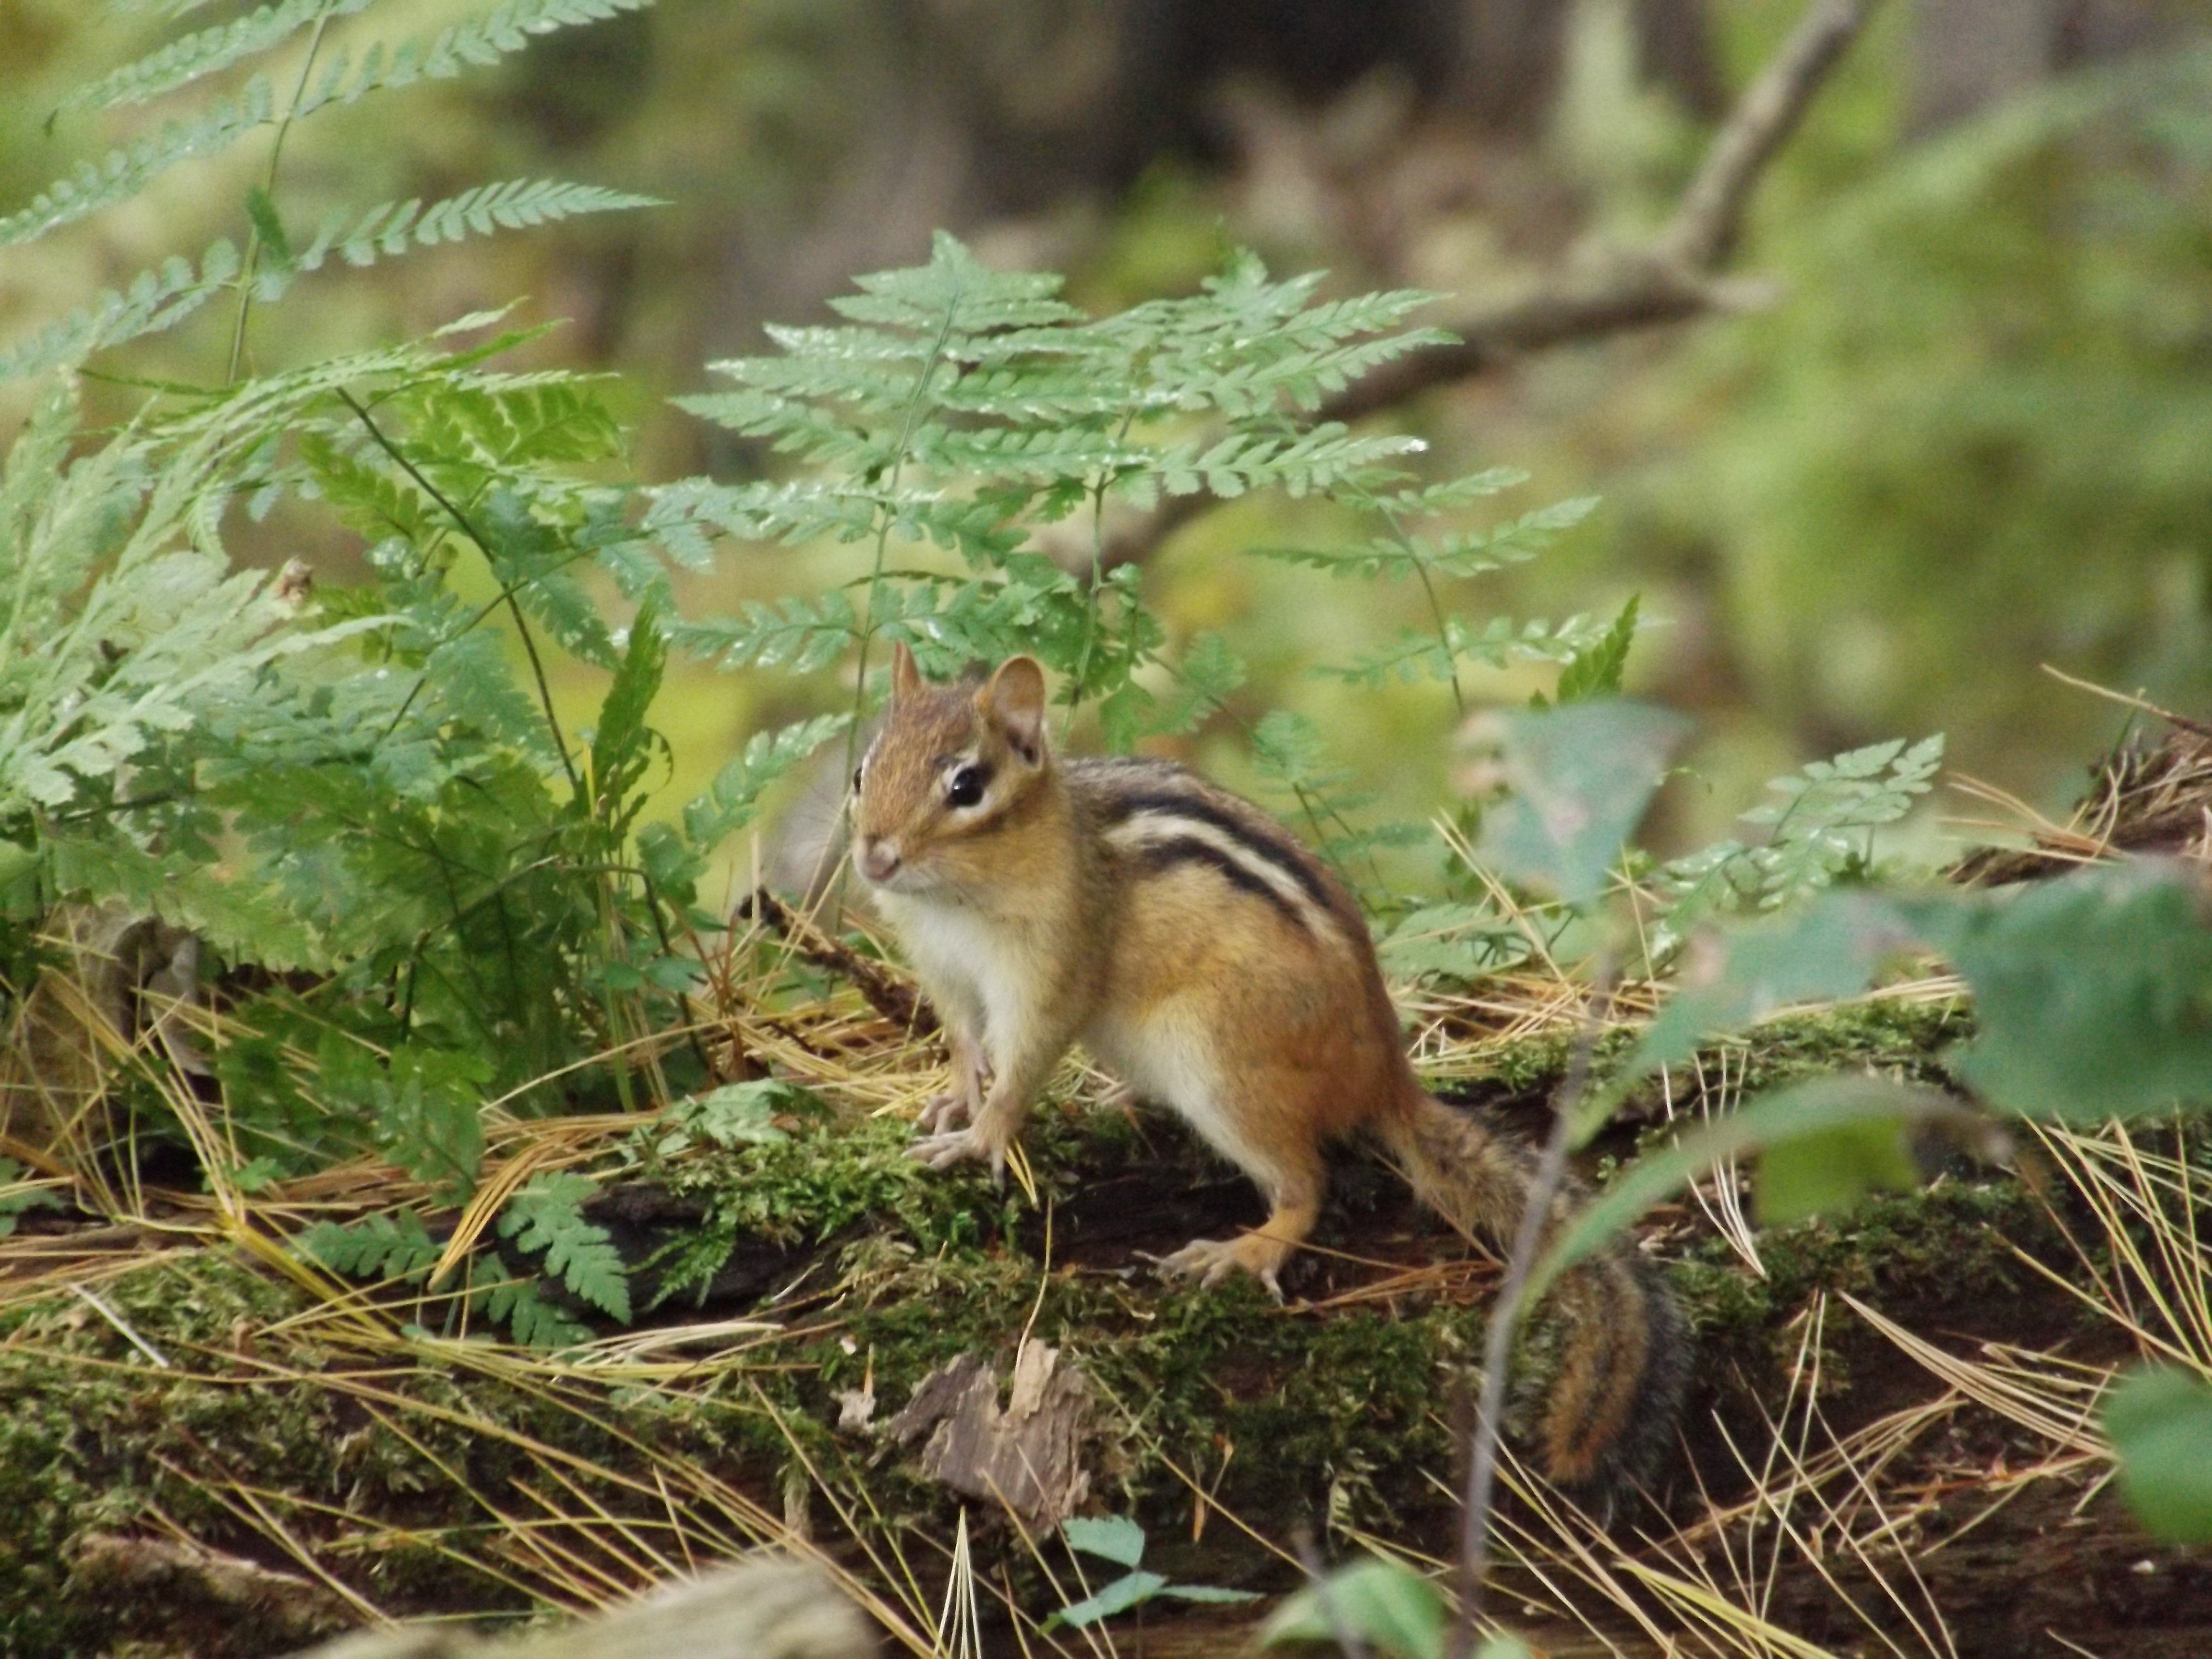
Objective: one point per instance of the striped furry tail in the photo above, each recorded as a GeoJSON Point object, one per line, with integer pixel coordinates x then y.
{"type": "Point", "coordinates": [1615, 1349]}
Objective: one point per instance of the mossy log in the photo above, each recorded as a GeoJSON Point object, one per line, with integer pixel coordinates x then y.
{"type": "Point", "coordinates": [802, 1291]}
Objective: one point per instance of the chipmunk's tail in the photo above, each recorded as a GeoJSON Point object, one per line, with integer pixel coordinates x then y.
{"type": "Point", "coordinates": [1618, 1351]}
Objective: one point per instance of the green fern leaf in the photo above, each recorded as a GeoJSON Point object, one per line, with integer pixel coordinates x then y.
{"type": "Point", "coordinates": [428, 1117]}
{"type": "Point", "coordinates": [805, 634]}
{"type": "Point", "coordinates": [954, 294]}
{"type": "Point", "coordinates": [480, 41]}
{"type": "Point", "coordinates": [623, 745]}
{"type": "Point", "coordinates": [1431, 499]}
{"type": "Point", "coordinates": [542, 1215]}
{"type": "Point", "coordinates": [395, 1246]}
{"type": "Point", "coordinates": [1596, 670]}
{"type": "Point", "coordinates": [243, 922]}
{"type": "Point", "coordinates": [515, 1302]}
{"type": "Point", "coordinates": [731, 801]}
{"type": "Point", "coordinates": [1451, 941]}
{"type": "Point", "coordinates": [156, 300]}
{"type": "Point", "coordinates": [1416, 655]}
{"type": "Point", "coordinates": [208, 51]}
{"type": "Point", "coordinates": [123, 174]}
{"type": "Point", "coordinates": [391, 228]}
{"type": "Point", "coordinates": [1821, 828]}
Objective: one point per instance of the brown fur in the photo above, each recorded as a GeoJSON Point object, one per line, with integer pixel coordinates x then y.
{"type": "Point", "coordinates": [1199, 950]}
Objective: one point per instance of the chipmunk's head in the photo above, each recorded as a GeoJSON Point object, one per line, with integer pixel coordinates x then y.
{"type": "Point", "coordinates": [951, 778]}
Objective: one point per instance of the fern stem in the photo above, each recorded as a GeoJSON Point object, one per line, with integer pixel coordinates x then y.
{"type": "Point", "coordinates": [269, 188]}
{"type": "Point", "coordinates": [1089, 611]}
{"type": "Point", "coordinates": [483, 546]}
{"type": "Point", "coordinates": [1097, 575]}
{"type": "Point", "coordinates": [908, 419]}
{"type": "Point", "coordinates": [1436, 612]}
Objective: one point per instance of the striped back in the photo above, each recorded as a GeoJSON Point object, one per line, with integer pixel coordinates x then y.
{"type": "Point", "coordinates": [1159, 815]}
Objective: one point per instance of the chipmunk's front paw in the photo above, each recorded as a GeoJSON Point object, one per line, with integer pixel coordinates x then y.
{"type": "Point", "coordinates": [1210, 1260]}
{"type": "Point", "coordinates": [942, 1151]}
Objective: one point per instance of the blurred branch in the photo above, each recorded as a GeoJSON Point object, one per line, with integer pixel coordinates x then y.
{"type": "Point", "coordinates": [1676, 277]}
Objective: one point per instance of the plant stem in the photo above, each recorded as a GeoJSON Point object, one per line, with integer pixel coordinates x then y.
{"type": "Point", "coordinates": [1504, 1317]}
{"type": "Point", "coordinates": [269, 188]}
{"type": "Point", "coordinates": [514, 604]}
{"type": "Point", "coordinates": [1097, 576]}
{"type": "Point", "coordinates": [909, 417]}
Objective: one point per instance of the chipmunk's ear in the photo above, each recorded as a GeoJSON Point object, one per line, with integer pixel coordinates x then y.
{"type": "Point", "coordinates": [1014, 699]}
{"type": "Point", "coordinates": [906, 678]}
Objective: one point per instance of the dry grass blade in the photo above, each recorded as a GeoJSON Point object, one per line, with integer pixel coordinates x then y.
{"type": "Point", "coordinates": [2147, 1271]}
{"type": "Point", "coordinates": [2056, 1405]}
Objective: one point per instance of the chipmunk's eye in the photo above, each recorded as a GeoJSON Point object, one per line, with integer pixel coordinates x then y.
{"type": "Point", "coordinates": [856, 778]}
{"type": "Point", "coordinates": [965, 787]}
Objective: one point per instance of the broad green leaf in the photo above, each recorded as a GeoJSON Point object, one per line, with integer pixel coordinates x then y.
{"type": "Point", "coordinates": [1832, 947]}
{"type": "Point", "coordinates": [2159, 1421]}
{"type": "Point", "coordinates": [1829, 1171]}
{"type": "Point", "coordinates": [1822, 1106]}
{"type": "Point", "coordinates": [1114, 1537]}
{"type": "Point", "coordinates": [1208, 1593]}
{"type": "Point", "coordinates": [2093, 993]}
{"type": "Point", "coordinates": [1124, 1593]}
{"type": "Point", "coordinates": [1580, 778]}
{"type": "Point", "coordinates": [1394, 1609]}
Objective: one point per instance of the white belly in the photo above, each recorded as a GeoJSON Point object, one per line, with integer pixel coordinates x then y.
{"type": "Point", "coordinates": [1168, 1055]}
{"type": "Point", "coordinates": [972, 965]}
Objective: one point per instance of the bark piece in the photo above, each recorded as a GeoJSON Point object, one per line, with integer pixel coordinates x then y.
{"type": "Point", "coordinates": [759, 1609]}
{"type": "Point", "coordinates": [1028, 1456]}
{"type": "Point", "coordinates": [213, 1602]}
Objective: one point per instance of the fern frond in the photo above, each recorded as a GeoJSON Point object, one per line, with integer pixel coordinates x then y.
{"type": "Point", "coordinates": [390, 228]}
{"type": "Point", "coordinates": [207, 53]}
{"type": "Point", "coordinates": [156, 300]}
{"type": "Point", "coordinates": [169, 8]}
{"type": "Point", "coordinates": [123, 174]}
{"type": "Point", "coordinates": [1312, 461]}
{"type": "Point", "coordinates": [1499, 643]}
{"type": "Point", "coordinates": [803, 633]}
{"type": "Point", "coordinates": [543, 1214]}
{"type": "Point", "coordinates": [791, 513]}
{"type": "Point", "coordinates": [514, 1302]}
{"type": "Point", "coordinates": [731, 800]}
{"type": "Point", "coordinates": [1451, 941]}
{"type": "Point", "coordinates": [395, 1246]}
{"type": "Point", "coordinates": [1459, 492]}
{"type": "Point", "coordinates": [233, 917]}
{"type": "Point", "coordinates": [486, 40]}
{"type": "Point", "coordinates": [956, 295]}
{"type": "Point", "coordinates": [1822, 826]}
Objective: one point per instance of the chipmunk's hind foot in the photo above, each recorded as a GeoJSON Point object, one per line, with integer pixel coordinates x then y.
{"type": "Point", "coordinates": [1210, 1260]}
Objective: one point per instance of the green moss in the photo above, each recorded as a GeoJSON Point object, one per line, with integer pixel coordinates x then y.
{"type": "Point", "coordinates": [1280, 1412]}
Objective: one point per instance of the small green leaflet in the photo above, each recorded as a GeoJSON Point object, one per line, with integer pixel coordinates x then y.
{"type": "Point", "coordinates": [1395, 1610]}
{"type": "Point", "coordinates": [2092, 993]}
{"type": "Point", "coordinates": [2160, 1420]}
{"type": "Point", "coordinates": [1579, 778]}
{"type": "Point", "coordinates": [1122, 1540]}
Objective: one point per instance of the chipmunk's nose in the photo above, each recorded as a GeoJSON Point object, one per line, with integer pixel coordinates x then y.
{"type": "Point", "coordinates": [878, 858]}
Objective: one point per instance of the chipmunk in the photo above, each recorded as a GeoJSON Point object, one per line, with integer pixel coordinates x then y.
{"type": "Point", "coordinates": [1203, 956]}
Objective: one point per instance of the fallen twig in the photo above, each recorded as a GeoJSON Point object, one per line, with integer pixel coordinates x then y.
{"type": "Point", "coordinates": [883, 991]}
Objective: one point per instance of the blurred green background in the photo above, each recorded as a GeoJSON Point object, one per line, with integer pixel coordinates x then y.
{"type": "Point", "coordinates": [1963, 430]}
